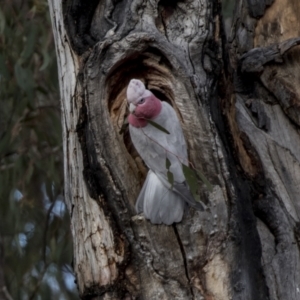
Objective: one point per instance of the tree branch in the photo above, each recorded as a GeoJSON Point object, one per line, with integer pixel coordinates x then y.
{"type": "Point", "coordinates": [254, 60]}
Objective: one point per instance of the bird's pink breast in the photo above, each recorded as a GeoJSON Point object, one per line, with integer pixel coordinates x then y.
{"type": "Point", "coordinates": [137, 122]}
{"type": "Point", "coordinates": [146, 111]}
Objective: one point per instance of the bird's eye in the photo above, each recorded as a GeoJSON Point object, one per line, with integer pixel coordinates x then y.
{"type": "Point", "coordinates": [142, 101]}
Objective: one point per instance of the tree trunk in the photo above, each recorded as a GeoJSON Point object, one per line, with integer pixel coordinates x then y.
{"type": "Point", "coordinates": [266, 132]}
{"type": "Point", "coordinates": [240, 117]}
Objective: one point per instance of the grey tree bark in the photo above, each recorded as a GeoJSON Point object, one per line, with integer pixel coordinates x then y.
{"type": "Point", "coordinates": [238, 103]}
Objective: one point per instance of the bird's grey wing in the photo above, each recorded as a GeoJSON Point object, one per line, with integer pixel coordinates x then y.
{"type": "Point", "coordinates": [175, 139]}
{"type": "Point", "coordinates": [150, 143]}
{"type": "Point", "coordinates": [182, 189]}
{"type": "Point", "coordinates": [154, 145]}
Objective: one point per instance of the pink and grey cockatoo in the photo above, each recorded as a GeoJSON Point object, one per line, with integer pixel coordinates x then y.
{"type": "Point", "coordinates": [159, 200]}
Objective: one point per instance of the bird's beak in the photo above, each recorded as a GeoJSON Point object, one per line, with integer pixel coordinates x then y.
{"type": "Point", "coordinates": [132, 107]}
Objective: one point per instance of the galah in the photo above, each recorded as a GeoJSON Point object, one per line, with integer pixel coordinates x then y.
{"type": "Point", "coordinates": [161, 200]}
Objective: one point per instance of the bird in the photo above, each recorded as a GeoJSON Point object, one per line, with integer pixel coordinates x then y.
{"type": "Point", "coordinates": [156, 134]}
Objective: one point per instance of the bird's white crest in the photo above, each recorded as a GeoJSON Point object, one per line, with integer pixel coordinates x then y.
{"type": "Point", "coordinates": [136, 90]}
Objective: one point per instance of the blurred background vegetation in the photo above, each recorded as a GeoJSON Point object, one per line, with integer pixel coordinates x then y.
{"type": "Point", "coordinates": [227, 10]}
{"type": "Point", "coordinates": [35, 239]}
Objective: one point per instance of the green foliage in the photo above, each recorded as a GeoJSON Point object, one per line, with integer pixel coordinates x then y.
{"type": "Point", "coordinates": [204, 180]}
{"type": "Point", "coordinates": [169, 173]}
{"type": "Point", "coordinates": [192, 176]}
{"type": "Point", "coordinates": [34, 227]}
{"type": "Point", "coordinates": [157, 126]}
{"type": "Point", "coordinates": [227, 8]}
{"type": "Point", "coordinates": [192, 181]}
{"type": "Point", "coordinates": [124, 126]}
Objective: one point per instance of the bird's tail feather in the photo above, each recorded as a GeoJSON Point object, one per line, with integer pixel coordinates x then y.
{"type": "Point", "coordinates": [159, 203]}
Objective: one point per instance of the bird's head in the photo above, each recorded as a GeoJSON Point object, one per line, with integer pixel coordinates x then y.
{"type": "Point", "coordinates": [142, 103]}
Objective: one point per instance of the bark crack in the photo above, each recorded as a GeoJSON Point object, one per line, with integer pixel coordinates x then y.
{"type": "Point", "coordinates": [184, 260]}
{"type": "Point", "coordinates": [255, 59]}
{"type": "Point", "coordinates": [165, 28]}
{"type": "Point", "coordinates": [279, 173]}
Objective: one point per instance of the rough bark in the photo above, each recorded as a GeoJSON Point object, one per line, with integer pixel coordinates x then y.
{"type": "Point", "coordinates": [241, 123]}
{"type": "Point", "coordinates": [266, 104]}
